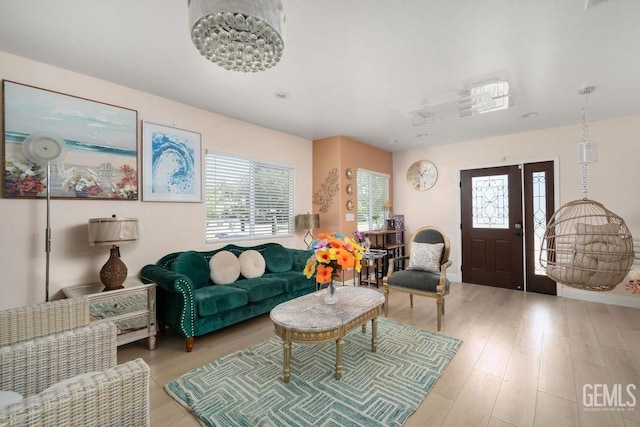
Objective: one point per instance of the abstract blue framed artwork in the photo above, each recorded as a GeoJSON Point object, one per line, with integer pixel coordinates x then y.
{"type": "Point", "coordinates": [91, 147]}
{"type": "Point", "coordinates": [172, 160]}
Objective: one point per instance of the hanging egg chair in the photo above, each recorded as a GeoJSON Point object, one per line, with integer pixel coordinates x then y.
{"type": "Point", "coordinates": [585, 245]}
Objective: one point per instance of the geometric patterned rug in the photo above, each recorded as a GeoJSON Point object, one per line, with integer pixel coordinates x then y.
{"type": "Point", "coordinates": [377, 389]}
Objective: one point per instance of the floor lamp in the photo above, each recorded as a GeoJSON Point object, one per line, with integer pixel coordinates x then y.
{"type": "Point", "coordinates": [43, 149]}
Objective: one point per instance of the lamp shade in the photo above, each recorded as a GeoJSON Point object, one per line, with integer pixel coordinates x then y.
{"type": "Point", "coordinates": [307, 221]}
{"type": "Point", "coordinates": [112, 231]}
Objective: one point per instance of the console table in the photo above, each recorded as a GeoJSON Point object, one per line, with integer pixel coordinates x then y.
{"type": "Point", "coordinates": [132, 309]}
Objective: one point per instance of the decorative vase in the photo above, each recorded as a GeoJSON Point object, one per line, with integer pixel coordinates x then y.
{"type": "Point", "coordinates": [331, 297]}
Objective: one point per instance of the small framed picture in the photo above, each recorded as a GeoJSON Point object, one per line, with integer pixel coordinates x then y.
{"type": "Point", "coordinates": [171, 164]}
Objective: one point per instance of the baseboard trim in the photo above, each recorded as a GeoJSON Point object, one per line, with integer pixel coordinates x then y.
{"type": "Point", "coordinates": [603, 297]}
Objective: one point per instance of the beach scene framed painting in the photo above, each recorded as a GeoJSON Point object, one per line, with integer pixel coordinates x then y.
{"type": "Point", "coordinates": [89, 147]}
{"type": "Point", "coordinates": [171, 164]}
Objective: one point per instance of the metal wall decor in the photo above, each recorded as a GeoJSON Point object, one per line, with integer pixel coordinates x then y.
{"type": "Point", "coordinates": [329, 188]}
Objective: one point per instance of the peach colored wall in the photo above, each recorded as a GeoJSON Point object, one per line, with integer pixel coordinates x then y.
{"type": "Point", "coordinates": [345, 153]}
{"type": "Point", "coordinates": [325, 158]}
{"type": "Point", "coordinates": [613, 180]}
{"type": "Point", "coordinates": [164, 227]}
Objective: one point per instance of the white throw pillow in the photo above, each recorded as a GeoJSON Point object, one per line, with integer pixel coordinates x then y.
{"type": "Point", "coordinates": [224, 268]}
{"type": "Point", "coordinates": [425, 256]}
{"type": "Point", "coordinates": [252, 264]}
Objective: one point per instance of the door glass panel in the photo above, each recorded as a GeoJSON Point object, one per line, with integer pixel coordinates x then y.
{"type": "Point", "coordinates": [539, 216]}
{"type": "Point", "coordinates": [490, 201]}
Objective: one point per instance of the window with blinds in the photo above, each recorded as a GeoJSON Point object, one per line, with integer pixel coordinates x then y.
{"type": "Point", "coordinates": [373, 192]}
{"type": "Point", "coordinates": [247, 199]}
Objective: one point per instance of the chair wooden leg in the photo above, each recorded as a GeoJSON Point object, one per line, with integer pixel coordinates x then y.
{"type": "Point", "coordinates": [385, 291]}
{"type": "Point", "coordinates": [411, 300]}
{"type": "Point", "coordinates": [188, 344]}
{"type": "Point", "coordinates": [440, 309]}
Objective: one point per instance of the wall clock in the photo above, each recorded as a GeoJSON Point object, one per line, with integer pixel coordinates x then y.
{"type": "Point", "coordinates": [422, 175]}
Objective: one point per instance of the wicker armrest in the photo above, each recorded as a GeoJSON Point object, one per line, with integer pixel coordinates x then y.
{"type": "Point", "coordinates": [117, 396]}
{"type": "Point", "coordinates": [26, 323]}
{"type": "Point", "coordinates": [29, 367]}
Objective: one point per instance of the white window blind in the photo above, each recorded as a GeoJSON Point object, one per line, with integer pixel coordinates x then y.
{"type": "Point", "coordinates": [373, 192]}
{"type": "Point", "coordinates": [247, 198]}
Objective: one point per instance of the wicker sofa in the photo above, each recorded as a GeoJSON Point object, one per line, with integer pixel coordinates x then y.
{"type": "Point", "coordinates": [66, 369]}
{"type": "Point", "coordinates": [192, 304]}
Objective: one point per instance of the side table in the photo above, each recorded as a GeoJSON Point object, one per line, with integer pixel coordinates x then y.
{"type": "Point", "coordinates": [132, 309]}
{"type": "Point", "coordinates": [373, 267]}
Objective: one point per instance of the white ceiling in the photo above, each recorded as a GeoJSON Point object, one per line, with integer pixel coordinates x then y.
{"type": "Point", "coordinates": [349, 64]}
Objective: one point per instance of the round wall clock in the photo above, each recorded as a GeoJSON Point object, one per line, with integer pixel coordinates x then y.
{"type": "Point", "coordinates": [422, 175]}
{"type": "Point", "coordinates": [349, 173]}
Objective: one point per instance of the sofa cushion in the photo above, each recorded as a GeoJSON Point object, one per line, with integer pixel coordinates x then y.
{"type": "Point", "coordinates": [193, 265]}
{"type": "Point", "coordinates": [425, 256]}
{"type": "Point", "coordinates": [225, 268]}
{"type": "Point", "coordinates": [294, 280]}
{"type": "Point", "coordinates": [261, 288]}
{"type": "Point", "coordinates": [217, 299]}
{"type": "Point", "coordinates": [277, 258]}
{"type": "Point", "coordinates": [252, 264]}
{"type": "Point", "coordinates": [300, 257]}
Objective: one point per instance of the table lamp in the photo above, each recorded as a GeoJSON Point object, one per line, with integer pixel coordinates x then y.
{"type": "Point", "coordinates": [308, 222]}
{"type": "Point", "coordinates": [113, 231]}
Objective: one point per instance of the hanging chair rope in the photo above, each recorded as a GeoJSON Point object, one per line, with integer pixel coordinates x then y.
{"type": "Point", "coordinates": [585, 132]}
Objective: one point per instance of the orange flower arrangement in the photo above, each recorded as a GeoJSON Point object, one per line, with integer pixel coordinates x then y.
{"type": "Point", "coordinates": [332, 253]}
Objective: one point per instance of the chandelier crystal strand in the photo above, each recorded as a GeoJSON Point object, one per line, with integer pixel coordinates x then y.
{"type": "Point", "coordinates": [584, 163]}
{"type": "Point", "coordinates": [238, 35]}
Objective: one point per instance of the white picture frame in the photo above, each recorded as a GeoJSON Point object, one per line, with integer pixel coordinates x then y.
{"type": "Point", "coordinates": [171, 164]}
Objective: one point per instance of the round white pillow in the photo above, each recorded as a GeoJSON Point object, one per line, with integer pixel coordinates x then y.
{"type": "Point", "coordinates": [224, 268]}
{"type": "Point", "coordinates": [252, 264]}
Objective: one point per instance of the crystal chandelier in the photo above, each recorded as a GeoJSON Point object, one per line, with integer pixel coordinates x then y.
{"type": "Point", "coordinates": [238, 35]}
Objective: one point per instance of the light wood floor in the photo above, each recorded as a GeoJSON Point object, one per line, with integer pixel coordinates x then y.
{"type": "Point", "coordinates": [525, 360]}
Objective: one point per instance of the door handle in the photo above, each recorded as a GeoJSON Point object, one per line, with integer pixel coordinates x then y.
{"type": "Point", "coordinates": [518, 227]}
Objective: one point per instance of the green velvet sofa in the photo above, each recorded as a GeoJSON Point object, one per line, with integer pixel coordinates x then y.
{"type": "Point", "coordinates": [189, 302]}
